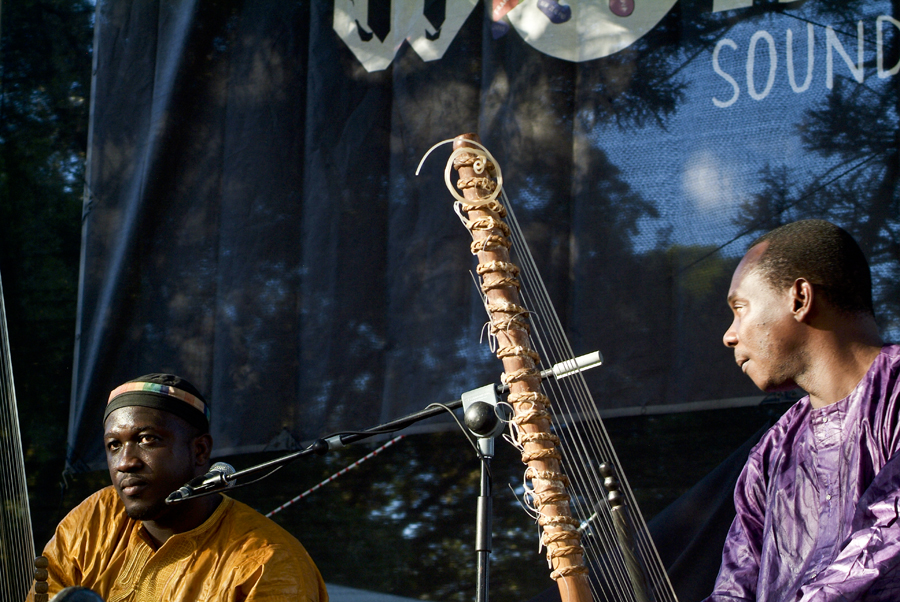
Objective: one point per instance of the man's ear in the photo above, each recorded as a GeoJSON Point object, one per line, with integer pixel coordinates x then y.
{"type": "Point", "coordinates": [202, 446]}
{"type": "Point", "coordinates": [802, 298]}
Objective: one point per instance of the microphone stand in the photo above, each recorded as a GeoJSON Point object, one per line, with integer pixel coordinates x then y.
{"type": "Point", "coordinates": [484, 417]}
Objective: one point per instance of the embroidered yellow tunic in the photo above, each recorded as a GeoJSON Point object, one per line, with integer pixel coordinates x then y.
{"type": "Point", "coordinates": [236, 555]}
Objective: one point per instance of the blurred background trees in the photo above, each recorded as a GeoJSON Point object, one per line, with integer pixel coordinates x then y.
{"type": "Point", "coordinates": [45, 82]}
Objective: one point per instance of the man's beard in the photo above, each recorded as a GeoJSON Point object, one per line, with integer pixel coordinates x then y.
{"type": "Point", "coordinates": [145, 513]}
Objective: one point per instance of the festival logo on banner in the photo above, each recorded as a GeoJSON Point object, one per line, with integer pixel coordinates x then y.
{"type": "Point", "coordinates": [579, 30]}
{"type": "Point", "coordinates": [573, 30]}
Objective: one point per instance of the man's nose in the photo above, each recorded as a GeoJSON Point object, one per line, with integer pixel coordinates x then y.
{"type": "Point", "coordinates": [730, 339]}
{"type": "Point", "coordinates": [129, 460]}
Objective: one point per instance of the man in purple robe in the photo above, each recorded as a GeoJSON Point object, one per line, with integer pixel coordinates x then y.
{"type": "Point", "coordinates": [818, 502]}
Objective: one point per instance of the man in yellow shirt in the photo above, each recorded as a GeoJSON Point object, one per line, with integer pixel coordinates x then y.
{"type": "Point", "coordinates": [127, 545]}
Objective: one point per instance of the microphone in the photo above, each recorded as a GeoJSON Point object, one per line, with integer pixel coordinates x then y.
{"type": "Point", "coordinates": [212, 480]}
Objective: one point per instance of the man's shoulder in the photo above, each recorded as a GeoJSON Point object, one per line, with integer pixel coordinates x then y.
{"type": "Point", "coordinates": [253, 530]}
{"type": "Point", "coordinates": [104, 504]}
{"type": "Point", "coordinates": [888, 363]}
{"type": "Point", "coordinates": [93, 525]}
{"type": "Point", "coordinates": [877, 396]}
{"type": "Point", "coordinates": [252, 541]}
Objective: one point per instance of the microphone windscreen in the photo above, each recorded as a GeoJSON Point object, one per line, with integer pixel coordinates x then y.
{"type": "Point", "coordinates": [224, 469]}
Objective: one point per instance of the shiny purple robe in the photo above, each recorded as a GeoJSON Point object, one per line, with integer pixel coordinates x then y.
{"type": "Point", "coordinates": [818, 502]}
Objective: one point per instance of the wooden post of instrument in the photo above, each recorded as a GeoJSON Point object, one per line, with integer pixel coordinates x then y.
{"type": "Point", "coordinates": [509, 324]}
{"type": "Point", "coordinates": [40, 579]}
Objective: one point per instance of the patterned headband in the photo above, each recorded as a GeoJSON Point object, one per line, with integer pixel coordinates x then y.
{"type": "Point", "coordinates": [161, 397]}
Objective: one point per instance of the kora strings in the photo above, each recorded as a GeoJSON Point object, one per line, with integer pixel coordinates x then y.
{"type": "Point", "coordinates": [16, 539]}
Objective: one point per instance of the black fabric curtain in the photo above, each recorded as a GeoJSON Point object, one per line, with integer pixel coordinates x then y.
{"type": "Point", "coordinates": [253, 221]}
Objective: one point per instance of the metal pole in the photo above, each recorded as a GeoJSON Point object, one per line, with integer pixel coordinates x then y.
{"type": "Point", "coordinates": [483, 530]}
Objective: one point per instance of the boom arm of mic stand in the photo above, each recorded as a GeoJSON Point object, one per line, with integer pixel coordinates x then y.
{"type": "Point", "coordinates": [323, 446]}
{"type": "Point", "coordinates": [339, 441]}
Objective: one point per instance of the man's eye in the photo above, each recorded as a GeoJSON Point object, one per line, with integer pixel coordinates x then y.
{"type": "Point", "coordinates": [112, 445]}
{"type": "Point", "coordinates": [148, 439]}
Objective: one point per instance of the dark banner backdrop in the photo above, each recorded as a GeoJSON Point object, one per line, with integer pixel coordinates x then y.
{"type": "Point", "coordinates": [253, 220]}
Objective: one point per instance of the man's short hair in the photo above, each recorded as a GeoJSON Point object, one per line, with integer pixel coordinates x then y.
{"type": "Point", "coordinates": [824, 254]}
{"type": "Point", "coordinates": [165, 392]}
